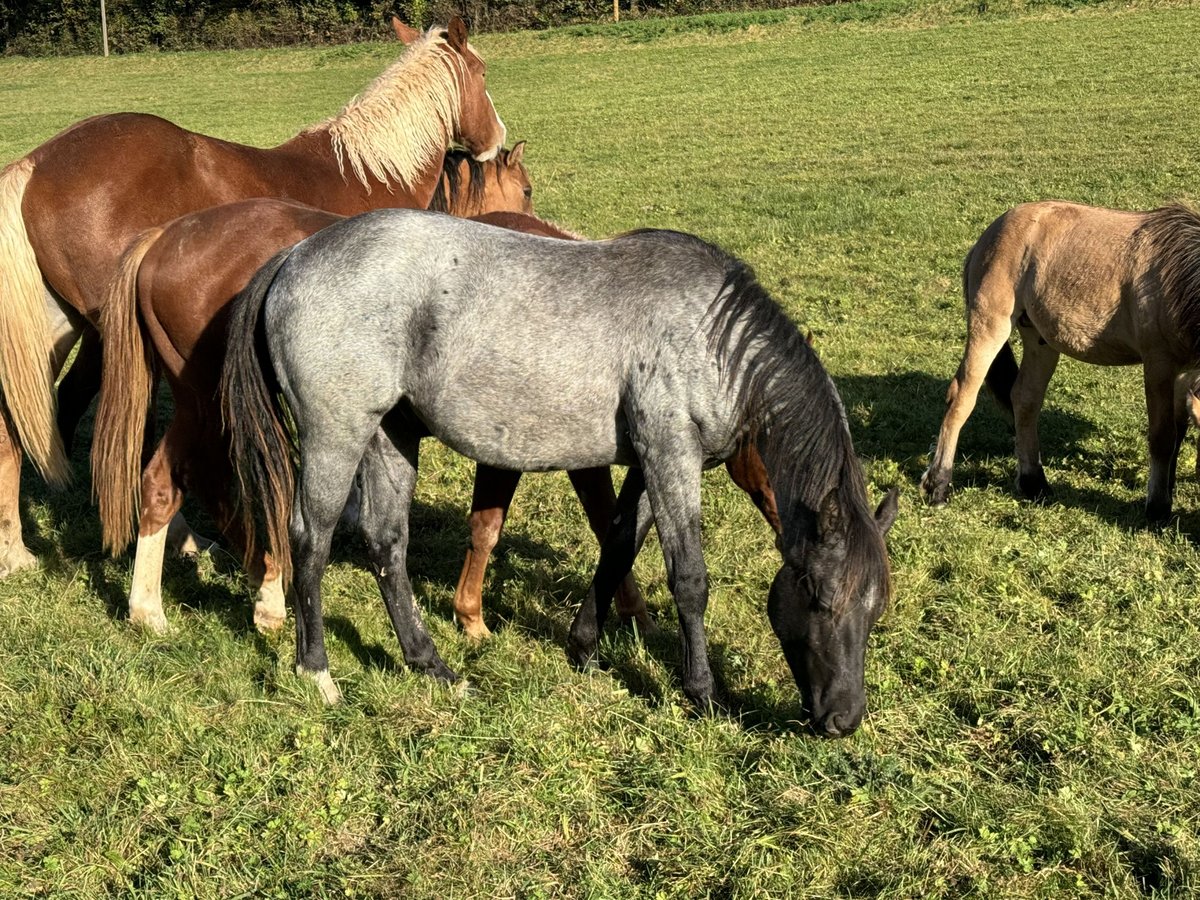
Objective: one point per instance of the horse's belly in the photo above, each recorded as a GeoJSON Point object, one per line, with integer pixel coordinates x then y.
{"type": "Point", "coordinates": [536, 437]}
{"type": "Point", "coordinates": [1098, 335]}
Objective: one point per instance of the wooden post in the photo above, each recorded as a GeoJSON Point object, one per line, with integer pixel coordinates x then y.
{"type": "Point", "coordinates": [616, 11]}
{"type": "Point", "coordinates": [104, 26]}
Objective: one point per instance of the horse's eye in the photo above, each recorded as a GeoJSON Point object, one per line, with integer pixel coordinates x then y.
{"type": "Point", "coordinates": [528, 192]}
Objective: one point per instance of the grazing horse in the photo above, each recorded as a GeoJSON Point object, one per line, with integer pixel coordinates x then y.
{"type": "Point", "coordinates": [1104, 286]}
{"type": "Point", "coordinates": [654, 350]}
{"type": "Point", "coordinates": [171, 292]}
{"type": "Point", "coordinates": [68, 211]}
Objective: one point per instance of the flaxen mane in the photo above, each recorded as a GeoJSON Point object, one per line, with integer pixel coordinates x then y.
{"type": "Point", "coordinates": [1173, 232]}
{"type": "Point", "coordinates": [789, 404]}
{"type": "Point", "coordinates": [404, 117]}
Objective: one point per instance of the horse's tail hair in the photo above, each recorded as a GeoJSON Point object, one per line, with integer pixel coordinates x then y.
{"type": "Point", "coordinates": [126, 386]}
{"type": "Point", "coordinates": [260, 443]}
{"type": "Point", "coordinates": [25, 343]}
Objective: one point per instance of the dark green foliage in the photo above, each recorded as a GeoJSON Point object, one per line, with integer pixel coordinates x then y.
{"type": "Point", "coordinates": [42, 27]}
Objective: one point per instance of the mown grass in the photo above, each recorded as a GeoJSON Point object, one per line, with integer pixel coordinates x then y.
{"type": "Point", "coordinates": [1034, 710]}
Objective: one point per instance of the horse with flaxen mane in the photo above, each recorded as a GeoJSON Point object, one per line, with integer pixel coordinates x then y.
{"type": "Point", "coordinates": [1104, 286]}
{"type": "Point", "coordinates": [67, 213]}
{"type": "Point", "coordinates": [654, 350]}
{"type": "Point", "coordinates": [167, 306]}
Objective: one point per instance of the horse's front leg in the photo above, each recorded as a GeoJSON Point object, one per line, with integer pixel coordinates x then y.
{"type": "Point", "coordinates": [673, 486]}
{"type": "Point", "coordinates": [1168, 425]}
{"type": "Point", "coordinates": [1038, 362]}
{"type": "Point", "coordinates": [493, 493]}
{"type": "Point", "coordinates": [594, 489]}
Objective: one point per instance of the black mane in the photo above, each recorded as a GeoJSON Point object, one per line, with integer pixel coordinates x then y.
{"type": "Point", "coordinates": [450, 185]}
{"type": "Point", "coordinates": [791, 410]}
{"type": "Point", "coordinates": [1173, 231]}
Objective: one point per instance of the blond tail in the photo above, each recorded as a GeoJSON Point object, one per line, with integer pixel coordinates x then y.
{"type": "Point", "coordinates": [125, 390]}
{"type": "Point", "coordinates": [25, 343]}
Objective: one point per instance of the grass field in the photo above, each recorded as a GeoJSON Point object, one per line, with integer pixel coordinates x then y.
{"type": "Point", "coordinates": [1034, 720]}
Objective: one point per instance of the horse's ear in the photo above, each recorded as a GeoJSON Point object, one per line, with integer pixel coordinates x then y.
{"type": "Point", "coordinates": [885, 515]}
{"type": "Point", "coordinates": [456, 31]}
{"type": "Point", "coordinates": [515, 154]}
{"type": "Point", "coordinates": [404, 34]}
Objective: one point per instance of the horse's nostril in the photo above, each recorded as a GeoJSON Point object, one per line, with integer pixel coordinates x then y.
{"type": "Point", "coordinates": [836, 725]}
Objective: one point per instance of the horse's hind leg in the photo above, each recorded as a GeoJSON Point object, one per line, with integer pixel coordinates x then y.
{"type": "Point", "coordinates": [1038, 362]}
{"type": "Point", "coordinates": [1168, 425]}
{"type": "Point", "coordinates": [13, 555]}
{"type": "Point", "coordinates": [989, 324]}
{"type": "Point", "coordinates": [328, 462]}
{"type": "Point", "coordinates": [161, 499]}
{"type": "Point", "coordinates": [79, 386]}
{"type": "Point", "coordinates": [389, 474]}
{"type": "Point", "coordinates": [617, 552]}
{"type": "Point", "coordinates": [595, 491]}
{"type": "Point", "coordinates": [492, 495]}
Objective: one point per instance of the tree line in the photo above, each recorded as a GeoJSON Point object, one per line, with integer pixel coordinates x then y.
{"type": "Point", "coordinates": [44, 27]}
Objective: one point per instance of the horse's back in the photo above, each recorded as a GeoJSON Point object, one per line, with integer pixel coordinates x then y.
{"type": "Point", "coordinates": [514, 349]}
{"type": "Point", "coordinates": [201, 261]}
{"type": "Point", "coordinates": [109, 177]}
{"type": "Point", "coordinates": [1067, 268]}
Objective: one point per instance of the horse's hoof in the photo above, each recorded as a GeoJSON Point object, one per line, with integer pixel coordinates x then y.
{"type": "Point", "coordinates": [935, 489]}
{"type": "Point", "coordinates": [17, 558]}
{"type": "Point", "coordinates": [329, 691]}
{"type": "Point", "coordinates": [1158, 513]}
{"type": "Point", "coordinates": [476, 632]}
{"type": "Point", "coordinates": [153, 620]}
{"type": "Point", "coordinates": [1034, 486]}
{"type": "Point", "coordinates": [583, 658]}
{"type": "Point", "coordinates": [268, 621]}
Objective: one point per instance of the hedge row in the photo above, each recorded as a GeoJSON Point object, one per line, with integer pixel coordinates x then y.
{"type": "Point", "coordinates": [43, 27]}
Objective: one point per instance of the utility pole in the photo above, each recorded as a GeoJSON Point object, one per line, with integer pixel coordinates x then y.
{"type": "Point", "coordinates": [104, 26]}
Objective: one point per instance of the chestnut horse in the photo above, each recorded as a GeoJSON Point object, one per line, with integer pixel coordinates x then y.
{"type": "Point", "coordinates": [1105, 286]}
{"type": "Point", "coordinates": [67, 212]}
{"type": "Point", "coordinates": [172, 288]}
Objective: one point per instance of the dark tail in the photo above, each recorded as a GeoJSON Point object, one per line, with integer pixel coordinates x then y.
{"type": "Point", "coordinates": [260, 444]}
{"type": "Point", "coordinates": [1002, 373]}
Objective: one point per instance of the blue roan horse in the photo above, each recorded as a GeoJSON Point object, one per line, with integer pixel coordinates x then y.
{"type": "Point", "coordinates": [653, 350]}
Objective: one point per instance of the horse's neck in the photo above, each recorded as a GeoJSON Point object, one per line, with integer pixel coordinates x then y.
{"type": "Point", "coordinates": [804, 469]}
{"type": "Point", "coordinates": [318, 178]}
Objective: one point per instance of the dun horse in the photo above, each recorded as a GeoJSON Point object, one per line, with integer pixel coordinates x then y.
{"type": "Point", "coordinates": [653, 350]}
{"type": "Point", "coordinates": [1104, 286]}
{"type": "Point", "coordinates": [174, 284]}
{"type": "Point", "coordinates": [67, 213]}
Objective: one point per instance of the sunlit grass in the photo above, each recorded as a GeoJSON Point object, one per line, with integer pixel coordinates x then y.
{"type": "Point", "coordinates": [1034, 709]}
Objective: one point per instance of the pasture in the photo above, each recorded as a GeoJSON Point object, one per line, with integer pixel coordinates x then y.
{"type": "Point", "coordinates": [1034, 705]}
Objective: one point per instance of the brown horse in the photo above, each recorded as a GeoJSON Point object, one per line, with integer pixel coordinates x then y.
{"type": "Point", "coordinates": [1104, 286]}
{"type": "Point", "coordinates": [173, 286]}
{"type": "Point", "coordinates": [67, 213]}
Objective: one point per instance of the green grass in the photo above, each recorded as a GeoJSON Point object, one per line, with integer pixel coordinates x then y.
{"type": "Point", "coordinates": [1034, 708]}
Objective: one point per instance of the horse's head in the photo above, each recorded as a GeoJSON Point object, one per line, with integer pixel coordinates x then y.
{"type": "Point", "coordinates": [824, 603]}
{"type": "Point", "coordinates": [509, 190]}
{"type": "Point", "coordinates": [480, 129]}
